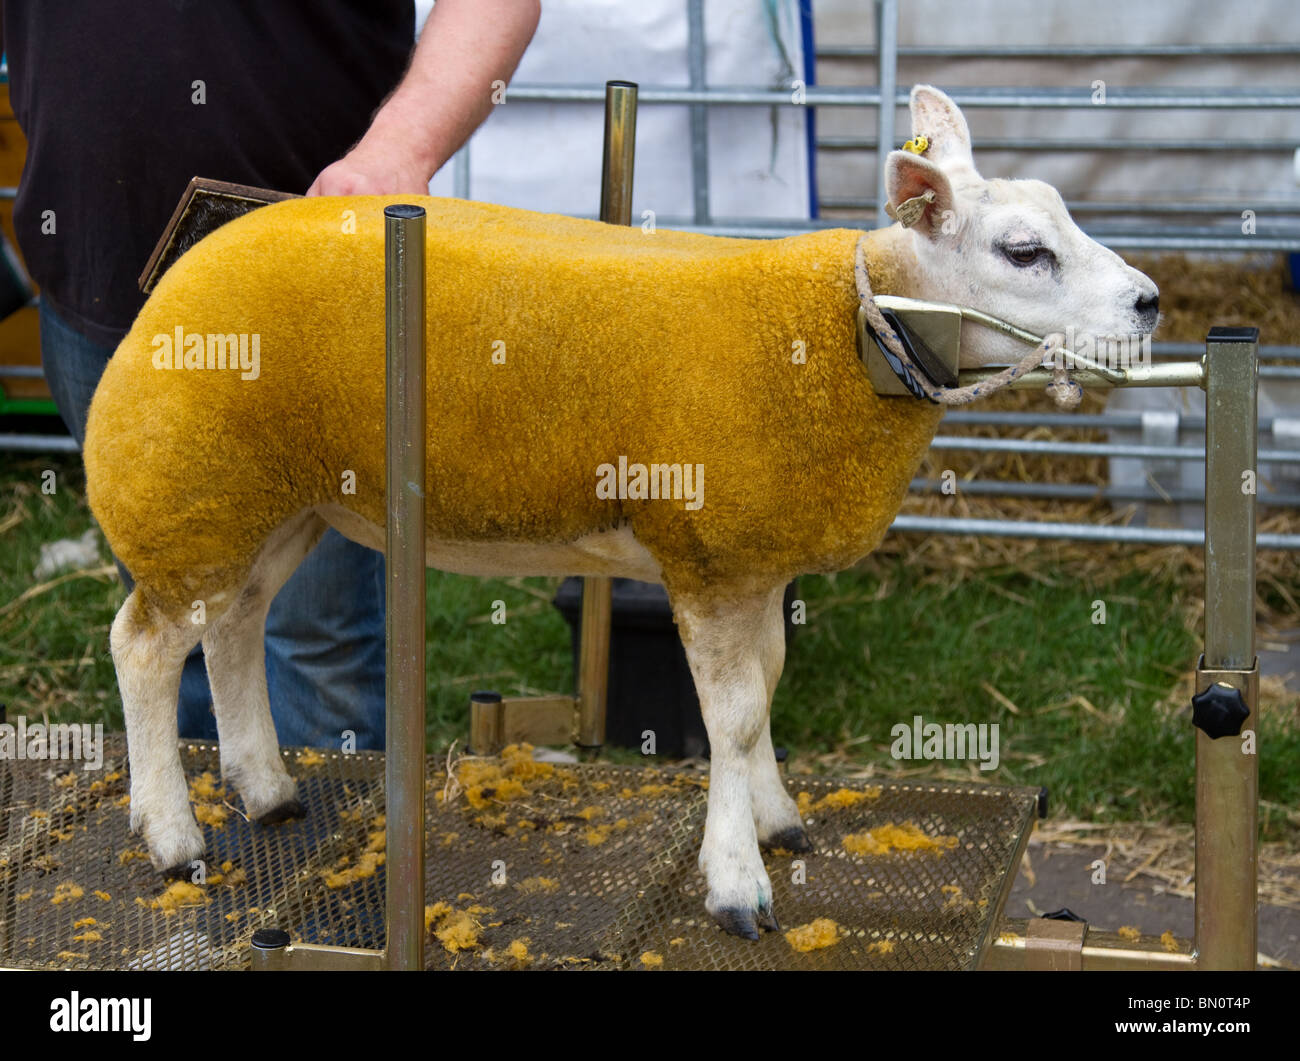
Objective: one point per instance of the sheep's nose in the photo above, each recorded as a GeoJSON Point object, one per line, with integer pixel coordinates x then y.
{"type": "Point", "coordinates": [1148, 304]}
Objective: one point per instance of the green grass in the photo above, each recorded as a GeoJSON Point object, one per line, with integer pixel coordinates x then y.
{"type": "Point", "coordinates": [54, 656]}
{"type": "Point", "coordinates": [880, 645]}
{"type": "Point", "coordinates": [883, 646]}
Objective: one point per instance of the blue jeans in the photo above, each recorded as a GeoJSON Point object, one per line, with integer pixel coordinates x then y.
{"type": "Point", "coordinates": [325, 631]}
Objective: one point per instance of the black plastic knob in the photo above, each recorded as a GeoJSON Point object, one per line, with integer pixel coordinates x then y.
{"type": "Point", "coordinates": [271, 939]}
{"type": "Point", "coordinates": [1221, 710]}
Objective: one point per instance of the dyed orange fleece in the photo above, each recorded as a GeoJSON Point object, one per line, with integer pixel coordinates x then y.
{"type": "Point", "coordinates": [663, 347]}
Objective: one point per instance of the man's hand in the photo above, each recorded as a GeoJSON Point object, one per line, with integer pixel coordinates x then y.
{"type": "Point", "coordinates": [373, 168]}
{"type": "Point", "coordinates": [467, 48]}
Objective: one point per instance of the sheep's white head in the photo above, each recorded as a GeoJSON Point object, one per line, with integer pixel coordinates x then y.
{"type": "Point", "coordinates": [1008, 247]}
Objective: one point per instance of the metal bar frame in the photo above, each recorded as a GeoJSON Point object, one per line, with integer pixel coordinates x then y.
{"type": "Point", "coordinates": [1066, 51]}
{"type": "Point", "coordinates": [1046, 448]}
{"type": "Point", "coordinates": [887, 73]}
{"type": "Point", "coordinates": [1088, 492]}
{"type": "Point", "coordinates": [1082, 532]}
{"type": "Point", "coordinates": [1227, 774]}
{"type": "Point", "coordinates": [1286, 147]}
{"type": "Point", "coordinates": [404, 672]}
{"type": "Point", "coordinates": [982, 96]}
{"type": "Point", "coordinates": [1227, 767]}
{"type": "Point", "coordinates": [1190, 239]}
{"type": "Point", "coordinates": [697, 64]}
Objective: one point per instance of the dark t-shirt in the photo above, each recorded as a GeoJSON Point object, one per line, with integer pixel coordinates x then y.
{"type": "Point", "coordinates": [106, 93]}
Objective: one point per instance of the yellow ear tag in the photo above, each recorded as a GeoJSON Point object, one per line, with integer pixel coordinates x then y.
{"type": "Point", "coordinates": [917, 146]}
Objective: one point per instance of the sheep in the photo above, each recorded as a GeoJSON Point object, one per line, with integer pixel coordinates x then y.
{"type": "Point", "coordinates": [556, 347]}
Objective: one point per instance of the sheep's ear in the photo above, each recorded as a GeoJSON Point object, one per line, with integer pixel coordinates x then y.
{"type": "Point", "coordinates": [937, 118]}
{"type": "Point", "coordinates": [912, 180]}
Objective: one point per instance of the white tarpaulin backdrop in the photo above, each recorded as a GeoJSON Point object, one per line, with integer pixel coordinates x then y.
{"type": "Point", "coordinates": [544, 156]}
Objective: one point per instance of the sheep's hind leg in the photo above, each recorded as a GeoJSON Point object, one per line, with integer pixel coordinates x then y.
{"type": "Point", "coordinates": [776, 815]}
{"type": "Point", "coordinates": [149, 651]}
{"type": "Point", "coordinates": [722, 644]}
{"type": "Point", "coordinates": [234, 647]}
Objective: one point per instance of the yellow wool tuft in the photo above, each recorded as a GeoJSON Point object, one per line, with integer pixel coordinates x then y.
{"type": "Point", "coordinates": [458, 931]}
{"type": "Point", "coordinates": [890, 837]}
{"type": "Point", "coordinates": [663, 347]}
{"type": "Point", "coordinates": [817, 935]}
{"type": "Point", "coordinates": [206, 787]}
{"type": "Point", "coordinates": [434, 914]}
{"type": "Point", "coordinates": [534, 885]}
{"type": "Point", "coordinates": [342, 875]}
{"type": "Point", "coordinates": [503, 791]}
{"type": "Point", "coordinates": [837, 800]}
{"type": "Point", "coordinates": [179, 896]}
{"type": "Point", "coordinates": [214, 814]}
{"type": "Point", "coordinates": [66, 892]}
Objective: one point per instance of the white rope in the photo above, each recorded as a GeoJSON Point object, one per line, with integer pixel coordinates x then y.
{"type": "Point", "coordinates": [1064, 391]}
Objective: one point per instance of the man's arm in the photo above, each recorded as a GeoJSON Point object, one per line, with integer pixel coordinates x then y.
{"type": "Point", "coordinates": [446, 94]}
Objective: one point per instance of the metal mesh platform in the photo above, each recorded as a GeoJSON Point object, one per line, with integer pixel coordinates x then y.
{"type": "Point", "coordinates": [584, 866]}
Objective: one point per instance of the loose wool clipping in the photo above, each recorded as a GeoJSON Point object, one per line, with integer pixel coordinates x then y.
{"type": "Point", "coordinates": [555, 346]}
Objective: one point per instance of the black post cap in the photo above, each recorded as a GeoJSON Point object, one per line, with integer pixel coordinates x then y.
{"type": "Point", "coordinates": [1235, 334]}
{"type": "Point", "coordinates": [271, 939]}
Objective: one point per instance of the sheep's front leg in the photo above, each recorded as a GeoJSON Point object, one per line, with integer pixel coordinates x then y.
{"type": "Point", "coordinates": [722, 642]}
{"type": "Point", "coordinates": [149, 652]}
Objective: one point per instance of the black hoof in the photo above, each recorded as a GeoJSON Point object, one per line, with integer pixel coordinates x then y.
{"type": "Point", "coordinates": [738, 922]}
{"type": "Point", "coordinates": [793, 839]}
{"type": "Point", "coordinates": [767, 919]}
{"type": "Point", "coordinates": [180, 871]}
{"type": "Point", "coordinates": [283, 813]}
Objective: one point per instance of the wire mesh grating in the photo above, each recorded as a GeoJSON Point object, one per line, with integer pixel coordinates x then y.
{"type": "Point", "coordinates": [528, 865]}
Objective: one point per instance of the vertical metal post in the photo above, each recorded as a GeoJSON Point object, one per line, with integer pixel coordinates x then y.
{"type": "Point", "coordinates": [1227, 766]}
{"type": "Point", "coordinates": [404, 664]}
{"type": "Point", "coordinates": [887, 68]}
{"type": "Point", "coordinates": [697, 55]}
{"type": "Point", "coordinates": [597, 592]}
{"type": "Point", "coordinates": [460, 172]}
{"type": "Point", "coordinates": [619, 154]}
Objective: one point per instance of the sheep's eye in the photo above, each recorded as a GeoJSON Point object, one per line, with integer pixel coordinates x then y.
{"type": "Point", "coordinates": [1026, 254]}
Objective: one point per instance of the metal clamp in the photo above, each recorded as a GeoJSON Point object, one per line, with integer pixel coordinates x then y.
{"type": "Point", "coordinates": [1054, 946]}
